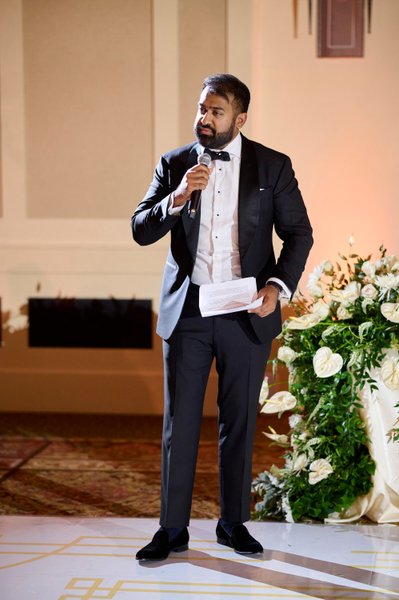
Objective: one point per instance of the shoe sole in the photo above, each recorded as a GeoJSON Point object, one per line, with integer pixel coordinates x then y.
{"type": "Point", "coordinates": [177, 549]}
{"type": "Point", "coordinates": [224, 542]}
{"type": "Point", "coordinates": [180, 548]}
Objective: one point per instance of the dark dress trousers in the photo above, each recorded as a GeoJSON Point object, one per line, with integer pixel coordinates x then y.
{"type": "Point", "coordinates": [240, 343]}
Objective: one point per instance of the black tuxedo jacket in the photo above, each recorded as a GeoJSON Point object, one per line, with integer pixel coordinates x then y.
{"type": "Point", "coordinates": [268, 197]}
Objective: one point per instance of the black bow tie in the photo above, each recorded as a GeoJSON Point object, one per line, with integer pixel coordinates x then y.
{"type": "Point", "coordinates": [218, 155]}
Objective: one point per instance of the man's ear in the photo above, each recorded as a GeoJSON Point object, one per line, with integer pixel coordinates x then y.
{"type": "Point", "coordinates": [241, 120]}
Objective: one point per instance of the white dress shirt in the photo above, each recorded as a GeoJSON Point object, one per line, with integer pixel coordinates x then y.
{"type": "Point", "coordinates": [218, 257]}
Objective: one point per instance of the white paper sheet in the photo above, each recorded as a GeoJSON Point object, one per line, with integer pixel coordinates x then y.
{"type": "Point", "coordinates": [228, 297]}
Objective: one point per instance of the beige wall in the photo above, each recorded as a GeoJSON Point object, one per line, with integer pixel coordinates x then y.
{"type": "Point", "coordinates": [92, 91]}
{"type": "Point", "coordinates": [87, 68]}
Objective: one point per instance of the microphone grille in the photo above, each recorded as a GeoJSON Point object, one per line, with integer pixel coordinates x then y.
{"type": "Point", "coordinates": [204, 159]}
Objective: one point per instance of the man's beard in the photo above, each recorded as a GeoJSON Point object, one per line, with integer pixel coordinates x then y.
{"type": "Point", "coordinates": [217, 140]}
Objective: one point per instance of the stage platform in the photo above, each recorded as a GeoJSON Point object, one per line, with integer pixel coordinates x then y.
{"type": "Point", "coordinates": [57, 558]}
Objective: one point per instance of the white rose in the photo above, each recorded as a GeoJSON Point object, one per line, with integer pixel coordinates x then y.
{"type": "Point", "coordinates": [320, 469]}
{"type": "Point", "coordinates": [352, 291]}
{"type": "Point", "coordinates": [348, 295]}
{"type": "Point", "coordinates": [390, 370]}
{"type": "Point", "coordinates": [390, 310]}
{"type": "Point", "coordinates": [278, 403]}
{"type": "Point", "coordinates": [325, 363]}
{"type": "Point", "coordinates": [368, 268]}
{"type": "Point", "coordinates": [369, 291]}
{"type": "Point", "coordinates": [286, 354]}
{"type": "Point", "coordinates": [264, 391]}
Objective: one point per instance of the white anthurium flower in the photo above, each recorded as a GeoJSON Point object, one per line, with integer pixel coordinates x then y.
{"type": "Point", "coordinates": [319, 469]}
{"type": "Point", "coordinates": [369, 291]}
{"type": "Point", "coordinates": [278, 403]}
{"type": "Point", "coordinates": [264, 391]}
{"type": "Point", "coordinates": [286, 354]}
{"type": "Point", "coordinates": [388, 281]}
{"type": "Point", "coordinates": [302, 322]}
{"type": "Point", "coordinates": [343, 313]}
{"type": "Point", "coordinates": [326, 363]}
{"type": "Point", "coordinates": [348, 294]}
{"type": "Point", "coordinates": [390, 311]}
{"type": "Point", "coordinates": [281, 439]}
{"type": "Point", "coordinates": [389, 370]}
{"type": "Point", "coordinates": [321, 309]}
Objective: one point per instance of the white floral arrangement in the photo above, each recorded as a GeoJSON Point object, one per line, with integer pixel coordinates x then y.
{"type": "Point", "coordinates": [348, 326]}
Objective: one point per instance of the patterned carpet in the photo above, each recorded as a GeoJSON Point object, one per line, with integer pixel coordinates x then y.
{"type": "Point", "coordinates": [97, 465]}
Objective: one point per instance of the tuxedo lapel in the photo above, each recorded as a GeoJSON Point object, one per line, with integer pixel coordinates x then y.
{"type": "Point", "coordinates": [191, 226]}
{"type": "Point", "coordinates": [248, 197]}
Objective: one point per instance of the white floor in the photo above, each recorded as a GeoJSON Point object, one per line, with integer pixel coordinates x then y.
{"type": "Point", "coordinates": [69, 558]}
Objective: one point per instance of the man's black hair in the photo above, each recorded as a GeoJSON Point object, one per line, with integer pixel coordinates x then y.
{"type": "Point", "coordinates": [224, 84]}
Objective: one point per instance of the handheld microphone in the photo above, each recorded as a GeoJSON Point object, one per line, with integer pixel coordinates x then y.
{"type": "Point", "coordinates": [203, 159]}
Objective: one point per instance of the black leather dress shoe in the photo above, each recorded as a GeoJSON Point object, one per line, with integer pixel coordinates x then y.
{"type": "Point", "coordinates": [240, 539]}
{"type": "Point", "coordinates": [160, 546]}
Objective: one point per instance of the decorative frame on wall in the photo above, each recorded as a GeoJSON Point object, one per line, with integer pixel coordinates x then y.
{"type": "Point", "coordinates": [340, 28]}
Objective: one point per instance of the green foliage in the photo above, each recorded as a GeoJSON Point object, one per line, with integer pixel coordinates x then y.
{"type": "Point", "coordinates": [354, 312]}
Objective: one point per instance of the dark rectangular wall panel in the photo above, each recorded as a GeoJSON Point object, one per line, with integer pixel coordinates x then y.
{"type": "Point", "coordinates": [90, 323]}
{"type": "Point", "coordinates": [340, 28]}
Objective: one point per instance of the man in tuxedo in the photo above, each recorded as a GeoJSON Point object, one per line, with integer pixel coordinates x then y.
{"type": "Point", "coordinates": [246, 191]}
